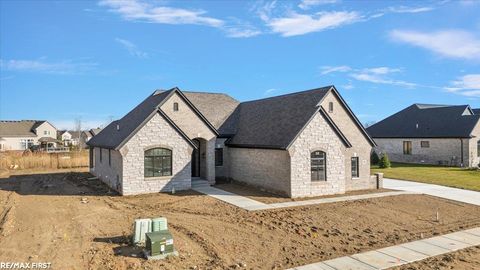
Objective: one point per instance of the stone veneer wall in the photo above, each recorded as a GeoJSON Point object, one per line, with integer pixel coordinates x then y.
{"type": "Point", "coordinates": [439, 150]}
{"type": "Point", "coordinates": [108, 172]}
{"type": "Point", "coordinates": [361, 147]}
{"type": "Point", "coordinates": [473, 156]}
{"type": "Point", "coordinates": [156, 133]}
{"type": "Point", "coordinates": [264, 168]}
{"type": "Point", "coordinates": [186, 119]}
{"type": "Point", "coordinates": [318, 135]}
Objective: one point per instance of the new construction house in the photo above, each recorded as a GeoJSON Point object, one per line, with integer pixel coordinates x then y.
{"type": "Point", "coordinates": [307, 143]}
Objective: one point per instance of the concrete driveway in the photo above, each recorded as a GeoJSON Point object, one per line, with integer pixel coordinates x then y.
{"type": "Point", "coordinates": [456, 194]}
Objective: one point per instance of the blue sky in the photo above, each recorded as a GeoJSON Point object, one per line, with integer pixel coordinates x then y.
{"type": "Point", "coordinates": [96, 60]}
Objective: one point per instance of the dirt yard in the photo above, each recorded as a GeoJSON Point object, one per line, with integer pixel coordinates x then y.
{"type": "Point", "coordinates": [76, 223]}
{"type": "Point", "coordinates": [266, 197]}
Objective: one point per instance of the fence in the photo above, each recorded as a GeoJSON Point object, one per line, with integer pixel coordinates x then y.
{"type": "Point", "coordinates": [42, 160]}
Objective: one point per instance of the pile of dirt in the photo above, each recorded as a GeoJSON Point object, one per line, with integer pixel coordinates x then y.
{"type": "Point", "coordinates": [74, 223]}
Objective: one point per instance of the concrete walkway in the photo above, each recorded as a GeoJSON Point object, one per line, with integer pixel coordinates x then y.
{"type": "Point", "coordinates": [401, 254]}
{"type": "Point", "coordinates": [253, 205]}
{"type": "Point", "coordinates": [456, 194]}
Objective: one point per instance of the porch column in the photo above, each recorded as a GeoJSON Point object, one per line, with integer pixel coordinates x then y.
{"type": "Point", "coordinates": [210, 160]}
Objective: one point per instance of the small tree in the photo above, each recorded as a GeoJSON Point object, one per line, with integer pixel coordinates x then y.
{"type": "Point", "coordinates": [374, 159]}
{"type": "Point", "coordinates": [384, 162]}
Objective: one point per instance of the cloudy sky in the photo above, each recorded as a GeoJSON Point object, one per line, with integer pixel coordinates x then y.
{"type": "Point", "coordinates": [96, 60]}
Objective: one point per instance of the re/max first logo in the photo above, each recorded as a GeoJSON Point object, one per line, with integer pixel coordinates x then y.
{"type": "Point", "coordinates": [25, 265]}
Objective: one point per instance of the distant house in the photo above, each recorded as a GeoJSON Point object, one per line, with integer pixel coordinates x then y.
{"type": "Point", "coordinates": [21, 135]}
{"type": "Point", "coordinates": [69, 137]}
{"type": "Point", "coordinates": [431, 134]}
{"type": "Point", "coordinates": [301, 144]}
{"type": "Point", "coordinates": [86, 135]}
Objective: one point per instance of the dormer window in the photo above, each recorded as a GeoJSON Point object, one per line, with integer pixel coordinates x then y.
{"type": "Point", "coordinates": [330, 107]}
{"type": "Point", "coordinates": [175, 106]}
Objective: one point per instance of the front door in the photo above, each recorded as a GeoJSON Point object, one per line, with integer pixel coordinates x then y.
{"type": "Point", "coordinates": [196, 159]}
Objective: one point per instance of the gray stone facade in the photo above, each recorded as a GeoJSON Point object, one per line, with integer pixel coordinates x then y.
{"type": "Point", "coordinates": [440, 151]}
{"type": "Point", "coordinates": [264, 168]}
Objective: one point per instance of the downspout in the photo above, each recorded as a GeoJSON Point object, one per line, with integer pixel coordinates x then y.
{"type": "Point", "coordinates": [461, 152]}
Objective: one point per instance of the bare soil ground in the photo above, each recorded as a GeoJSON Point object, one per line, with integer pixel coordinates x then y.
{"type": "Point", "coordinates": [266, 197]}
{"type": "Point", "coordinates": [466, 259]}
{"type": "Point", "coordinates": [76, 223]}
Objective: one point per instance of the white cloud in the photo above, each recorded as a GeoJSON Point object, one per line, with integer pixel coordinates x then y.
{"type": "Point", "coordinates": [378, 75]}
{"type": "Point", "coordinates": [468, 85]}
{"type": "Point", "coordinates": [132, 48]}
{"type": "Point", "coordinates": [447, 43]}
{"type": "Point", "coordinates": [307, 4]}
{"type": "Point", "coordinates": [331, 69]}
{"type": "Point", "coordinates": [134, 10]}
{"type": "Point", "coordinates": [269, 91]}
{"type": "Point", "coordinates": [40, 65]}
{"type": "Point", "coordinates": [295, 24]}
{"type": "Point", "coordinates": [405, 9]}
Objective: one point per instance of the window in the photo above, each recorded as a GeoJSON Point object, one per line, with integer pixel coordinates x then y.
{"type": "Point", "coordinates": [45, 132]}
{"type": "Point", "coordinates": [425, 144]}
{"type": "Point", "coordinates": [158, 162]}
{"type": "Point", "coordinates": [478, 148]}
{"type": "Point", "coordinates": [218, 156]}
{"type": "Point", "coordinates": [109, 158]}
{"type": "Point", "coordinates": [26, 144]}
{"type": "Point", "coordinates": [318, 166]}
{"type": "Point", "coordinates": [100, 155]}
{"type": "Point", "coordinates": [355, 167]}
{"type": "Point", "coordinates": [330, 107]}
{"type": "Point", "coordinates": [175, 106]}
{"type": "Point", "coordinates": [407, 147]}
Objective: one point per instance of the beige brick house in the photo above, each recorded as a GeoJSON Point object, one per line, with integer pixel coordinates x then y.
{"type": "Point", "coordinates": [431, 134]}
{"type": "Point", "coordinates": [301, 144]}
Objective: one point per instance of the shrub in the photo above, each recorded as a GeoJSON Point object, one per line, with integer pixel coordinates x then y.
{"type": "Point", "coordinates": [374, 159]}
{"type": "Point", "coordinates": [384, 162]}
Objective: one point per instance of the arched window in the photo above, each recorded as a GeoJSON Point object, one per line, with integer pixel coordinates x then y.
{"type": "Point", "coordinates": [318, 165]}
{"type": "Point", "coordinates": [158, 162]}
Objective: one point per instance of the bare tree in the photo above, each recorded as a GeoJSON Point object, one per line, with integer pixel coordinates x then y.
{"type": "Point", "coordinates": [78, 130]}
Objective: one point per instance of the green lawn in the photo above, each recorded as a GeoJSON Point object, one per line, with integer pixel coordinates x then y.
{"type": "Point", "coordinates": [446, 176]}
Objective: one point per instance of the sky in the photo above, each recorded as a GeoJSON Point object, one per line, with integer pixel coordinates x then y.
{"type": "Point", "coordinates": [96, 60]}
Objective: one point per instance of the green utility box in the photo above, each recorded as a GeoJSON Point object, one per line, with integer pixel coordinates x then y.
{"type": "Point", "coordinates": [159, 243]}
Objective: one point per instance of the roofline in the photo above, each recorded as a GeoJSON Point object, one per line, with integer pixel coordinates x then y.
{"type": "Point", "coordinates": [352, 115]}
{"type": "Point", "coordinates": [288, 94]}
{"type": "Point", "coordinates": [428, 137]}
{"type": "Point", "coordinates": [256, 146]}
{"type": "Point", "coordinates": [190, 104]}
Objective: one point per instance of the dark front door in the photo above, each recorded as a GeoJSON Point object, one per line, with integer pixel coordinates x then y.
{"type": "Point", "coordinates": [196, 159]}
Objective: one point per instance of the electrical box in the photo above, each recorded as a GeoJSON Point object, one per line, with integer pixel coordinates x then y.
{"type": "Point", "coordinates": [142, 226]}
{"type": "Point", "coordinates": [159, 243]}
{"type": "Point", "coordinates": [159, 224]}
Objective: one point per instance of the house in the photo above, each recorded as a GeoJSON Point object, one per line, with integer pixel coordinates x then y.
{"type": "Point", "coordinates": [21, 135]}
{"type": "Point", "coordinates": [87, 135]}
{"type": "Point", "coordinates": [301, 144]}
{"type": "Point", "coordinates": [69, 137]}
{"type": "Point", "coordinates": [431, 134]}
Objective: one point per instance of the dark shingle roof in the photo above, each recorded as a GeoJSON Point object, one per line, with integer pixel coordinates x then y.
{"type": "Point", "coordinates": [110, 137]}
{"type": "Point", "coordinates": [216, 107]}
{"type": "Point", "coordinates": [19, 128]}
{"type": "Point", "coordinates": [272, 122]}
{"type": "Point", "coordinates": [476, 111]}
{"type": "Point", "coordinates": [427, 121]}
{"type": "Point", "coordinates": [266, 123]}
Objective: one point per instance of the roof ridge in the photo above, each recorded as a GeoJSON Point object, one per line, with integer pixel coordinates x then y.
{"type": "Point", "coordinates": [290, 94]}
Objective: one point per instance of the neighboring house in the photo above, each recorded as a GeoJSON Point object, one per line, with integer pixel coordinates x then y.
{"type": "Point", "coordinates": [431, 134]}
{"type": "Point", "coordinates": [301, 144]}
{"type": "Point", "coordinates": [21, 135]}
{"type": "Point", "coordinates": [87, 135]}
{"type": "Point", "coordinates": [69, 137]}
